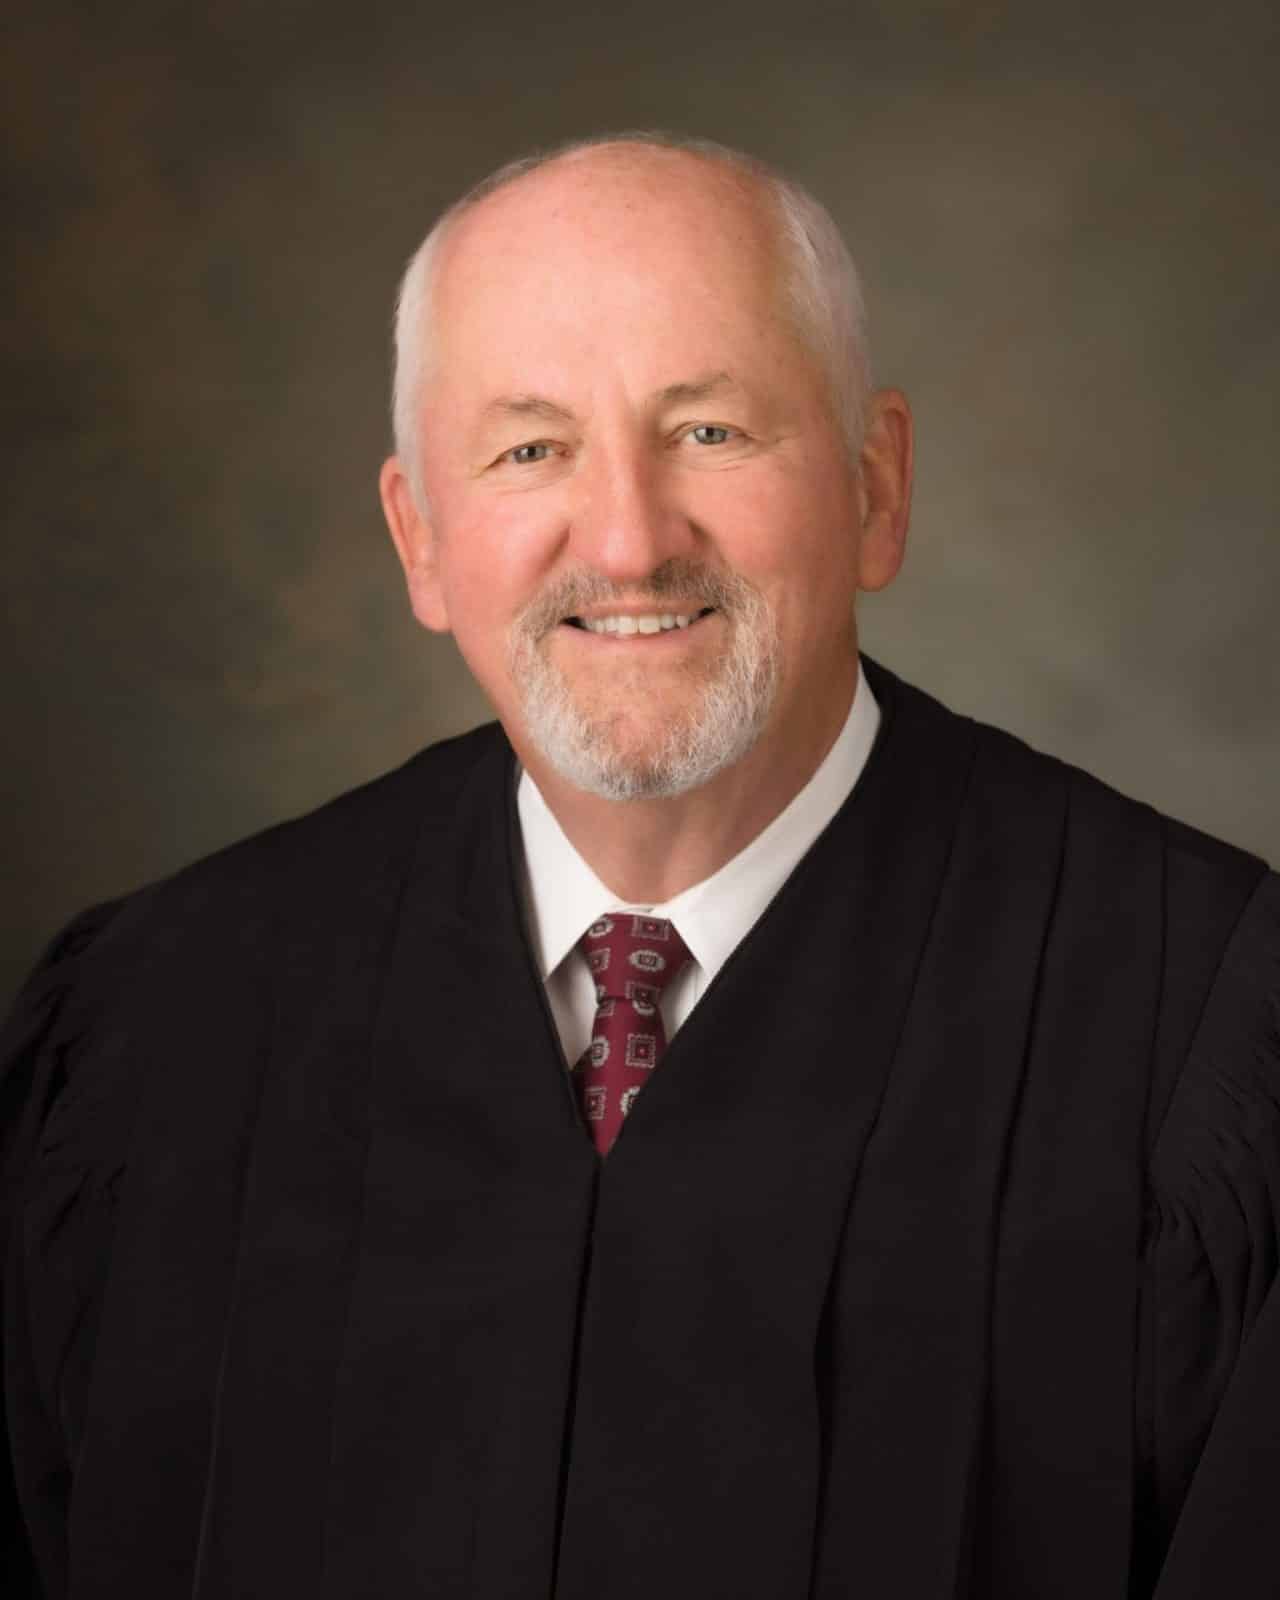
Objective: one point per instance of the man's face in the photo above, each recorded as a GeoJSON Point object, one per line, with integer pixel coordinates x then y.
{"type": "Point", "coordinates": [643, 522]}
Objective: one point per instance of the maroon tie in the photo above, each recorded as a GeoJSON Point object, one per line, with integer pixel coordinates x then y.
{"type": "Point", "coordinates": [632, 960]}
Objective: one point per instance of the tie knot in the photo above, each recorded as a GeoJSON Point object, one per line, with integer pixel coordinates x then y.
{"type": "Point", "coordinates": [632, 957]}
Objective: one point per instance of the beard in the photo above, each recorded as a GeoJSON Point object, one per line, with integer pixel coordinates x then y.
{"type": "Point", "coordinates": [728, 706]}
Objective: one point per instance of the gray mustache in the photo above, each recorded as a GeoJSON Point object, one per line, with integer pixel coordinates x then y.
{"type": "Point", "coordinates": [680, 579]}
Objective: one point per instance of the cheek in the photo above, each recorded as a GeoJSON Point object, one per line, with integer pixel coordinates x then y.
{"type": "Point", "coordinates": [789, 533]}
{"type": "Point", "coordinates": [491, 566]}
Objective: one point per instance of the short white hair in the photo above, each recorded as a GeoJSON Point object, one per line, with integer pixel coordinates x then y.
{"type": "Point", "coordinates": [823, 288]}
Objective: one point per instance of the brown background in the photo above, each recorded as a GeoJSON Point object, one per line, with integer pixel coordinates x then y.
{"type": "Point", "coordinates": [1067, 222]}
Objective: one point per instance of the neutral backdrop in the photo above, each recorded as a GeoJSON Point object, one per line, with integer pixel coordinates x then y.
{"type": "Point", "coordinates": [1067, 220]}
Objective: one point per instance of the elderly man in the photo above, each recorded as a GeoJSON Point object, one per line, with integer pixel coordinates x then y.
{"type": "Point", "coordinates": [736, 1128]}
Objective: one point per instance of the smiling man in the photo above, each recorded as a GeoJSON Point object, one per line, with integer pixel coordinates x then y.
{"type": "Point", "coordinates": [732, 1127]}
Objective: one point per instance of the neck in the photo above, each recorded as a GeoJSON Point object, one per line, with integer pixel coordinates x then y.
{"type": "Point", "coordinates": [647, 851]}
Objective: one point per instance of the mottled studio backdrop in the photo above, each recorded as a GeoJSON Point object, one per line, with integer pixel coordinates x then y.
{"type": "Point", "coordinates": [1067, 220]}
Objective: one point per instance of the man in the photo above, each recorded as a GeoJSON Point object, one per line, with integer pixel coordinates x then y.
{"type": "Point", "coordinates": [735, 1129]}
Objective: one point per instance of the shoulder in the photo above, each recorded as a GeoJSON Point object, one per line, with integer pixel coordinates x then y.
{"type": "Point", "coordinates": [346, 832]}
{"type": "Point", "coordinates": [1213, 1119]}
{"type": "Point", "coordinates": [217, 926]}
{"type": "Point", "coordinates": [1006, 770]}
{"type": "Point", "coordinates": [345, 840]}
{"type": "Point", "coordinates": [1201, 895]}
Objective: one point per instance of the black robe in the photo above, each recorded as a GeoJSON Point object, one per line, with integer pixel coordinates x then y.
{"type": "Point", "coordinates": [936, 1260]}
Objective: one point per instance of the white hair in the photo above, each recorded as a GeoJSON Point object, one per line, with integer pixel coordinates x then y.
{"type": "Point", "coordinates": [823, 289]}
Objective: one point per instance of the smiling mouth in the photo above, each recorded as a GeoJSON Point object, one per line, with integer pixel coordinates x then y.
{"type": "Point", "coordinates": [645, 622]}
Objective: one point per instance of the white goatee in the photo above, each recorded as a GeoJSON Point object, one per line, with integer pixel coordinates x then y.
{"type": "Point", "coordinates": [729, 708]}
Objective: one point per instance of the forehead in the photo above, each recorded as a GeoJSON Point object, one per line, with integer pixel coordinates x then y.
{"type": "Point", "coordinates": [608, 249]}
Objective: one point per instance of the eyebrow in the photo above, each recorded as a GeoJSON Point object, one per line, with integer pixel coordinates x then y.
{"type": "Point", "coordinates": [545, 410]}
{"type": "Point", "coordinates": [701, 388]}
{"type": "Point", "coordinates": [527, 405]}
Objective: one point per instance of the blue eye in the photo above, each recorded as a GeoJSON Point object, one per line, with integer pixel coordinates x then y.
{"type": "Point", "coordinates": [525, 455]}
{"type": "Point", "coordinates": [708, 433]}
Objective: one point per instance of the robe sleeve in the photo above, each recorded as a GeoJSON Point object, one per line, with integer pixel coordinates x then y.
{"type": "Point", "coordinates": [1212, 1322]}
{"type": "Point", "coordinates": [56, 1210]}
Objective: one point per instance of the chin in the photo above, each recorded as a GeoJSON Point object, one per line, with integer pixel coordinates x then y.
{"type": "Point", "coordinates": [623, 762]}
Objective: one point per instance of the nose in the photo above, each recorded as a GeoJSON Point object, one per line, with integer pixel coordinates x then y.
{"type": "Point", "coordinates": [625, 521]}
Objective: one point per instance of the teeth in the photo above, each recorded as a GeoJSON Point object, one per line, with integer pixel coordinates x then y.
{"type": "Point", "coordinates": [654, 622]}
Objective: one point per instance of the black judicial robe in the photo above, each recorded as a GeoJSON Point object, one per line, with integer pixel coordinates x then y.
{"type": "Point", "coordinates": [938, 1258]}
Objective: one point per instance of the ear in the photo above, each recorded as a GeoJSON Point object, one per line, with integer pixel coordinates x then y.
{"type": "Point", "coordinates": [415, 542]}
{"type": "Point", "coordinates": [884, 487]}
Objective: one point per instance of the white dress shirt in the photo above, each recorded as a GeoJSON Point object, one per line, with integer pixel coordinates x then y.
{"type": "Point", "coordinates": [563, 896]}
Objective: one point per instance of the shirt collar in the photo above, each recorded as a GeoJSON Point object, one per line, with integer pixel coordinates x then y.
{"type": "Point", "coordinates": [564, 896]}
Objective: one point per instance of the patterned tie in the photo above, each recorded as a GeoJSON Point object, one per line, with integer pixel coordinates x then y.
{"type": "Point", "coordinates": [632, 960]}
